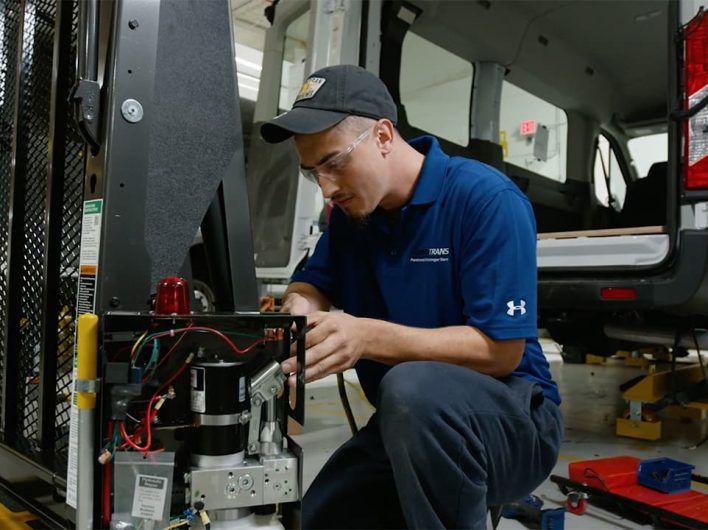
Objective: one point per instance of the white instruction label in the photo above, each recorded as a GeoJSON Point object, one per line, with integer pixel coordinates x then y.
{"type": "Point", "coordinates": [149, 497]}
{"type": "Point", "coordinates": [85, 303]}
{"type": "Point", "coordinates": [198, 395]}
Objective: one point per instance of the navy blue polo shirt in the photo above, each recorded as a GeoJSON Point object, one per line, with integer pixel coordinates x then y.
{"type": "Point", "coordinates": [463, 251]}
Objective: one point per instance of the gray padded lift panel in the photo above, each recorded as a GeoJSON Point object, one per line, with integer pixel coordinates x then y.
{"type": "Point", "coordinates": [273, 173]}
{"type": "Point", "coordinates": [176, 58]}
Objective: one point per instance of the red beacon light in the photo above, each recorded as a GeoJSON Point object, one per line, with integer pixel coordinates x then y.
{"type": "Point", "coordinates": [172, 296]}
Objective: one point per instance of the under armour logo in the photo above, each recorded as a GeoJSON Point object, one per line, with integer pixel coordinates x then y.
{"type": "Point", "coordinates": [521, 308]}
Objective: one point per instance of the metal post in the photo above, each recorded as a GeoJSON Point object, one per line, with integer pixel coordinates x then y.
{"type": "Point", "coordinates": [87, 347]}
{"type": "Point", "coordinates": [88, 40]}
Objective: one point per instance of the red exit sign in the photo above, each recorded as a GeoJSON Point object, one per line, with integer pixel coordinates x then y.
{"type": "Point", "coordinates": [527, 127]}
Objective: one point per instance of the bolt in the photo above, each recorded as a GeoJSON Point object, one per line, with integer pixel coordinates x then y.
{"type": "Point", "coordinates": [274, 390]}
{"type": "Point", "coordinates": [133, 24]}
{"type": "Point", "coordinates": [257, 401]}
{"type": "Point", "coordinates": [252, 448]}
{"type": "Point", "coordinates": [244, 418]}
{"type": "Point", "coordinates": [132, 110]}
{"type": "Point", "coordinates": [245, 481]}
{"type": "Point", "coordinates": [115, 302]}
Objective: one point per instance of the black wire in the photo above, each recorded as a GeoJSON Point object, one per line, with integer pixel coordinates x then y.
{"type": "Point", "coordinates": [674, 352]}
{"type": "Point", "coordinates": [700, 355]}
{"type": "Point", "coordinates": [679, 115]}
{"type": "Point", "coordinates": [346, 405]}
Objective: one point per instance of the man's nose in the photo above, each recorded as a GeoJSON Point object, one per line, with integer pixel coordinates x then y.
{"type": "Point", "coordinates": [329, 187]}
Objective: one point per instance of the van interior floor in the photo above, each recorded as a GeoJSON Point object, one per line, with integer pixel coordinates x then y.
{"type": "Point", "coordinates": [591, 402]}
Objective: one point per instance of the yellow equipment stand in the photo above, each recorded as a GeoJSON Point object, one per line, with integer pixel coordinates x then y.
{"type": "Point", "coordinates": [651, 389]}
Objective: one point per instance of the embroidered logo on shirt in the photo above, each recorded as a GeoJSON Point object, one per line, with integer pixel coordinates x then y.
{"type": "Point", "coordinates": [310, 88]}
{"type": "Point", "coordinates": [521, 308]}
{"type": "Point", "coordinates": [431, 255]}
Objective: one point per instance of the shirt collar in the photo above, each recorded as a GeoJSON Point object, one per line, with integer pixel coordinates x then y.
{"type": "Point", "coordinates": [430, 180]}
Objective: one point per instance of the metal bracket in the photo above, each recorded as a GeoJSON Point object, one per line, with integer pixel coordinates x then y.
{"type": "Point", "coordinates": [86, 97]}
{"type": "Point", "coordinates": [88, 385]}
{"type": "Point", "coordinates": [265, 385]}
{"type": "Point", "coordinates": [635, 410]}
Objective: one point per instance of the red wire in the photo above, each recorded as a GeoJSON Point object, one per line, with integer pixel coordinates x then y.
{"type": "Point", "coordinates": [164, 358]}
{"type": "Point", "coordinates": [209, 330]}
{"type": "Point", "coordinates": [106, 513]}
{"type": "Point", "coordinates": [149, 416]}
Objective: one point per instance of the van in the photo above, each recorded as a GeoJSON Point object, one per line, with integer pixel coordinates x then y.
{"type": "Point", "coordinates": [596, 110]}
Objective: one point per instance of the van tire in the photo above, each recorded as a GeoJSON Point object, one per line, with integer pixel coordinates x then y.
{"type": "Point", "coordinates": [573, 355]}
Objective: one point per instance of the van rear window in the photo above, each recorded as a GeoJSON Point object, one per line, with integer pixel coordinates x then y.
{"type": "Point", "coordinates": [533, 133]}
{"type": "Point", "coordinates": [647, 150]}
{"type": "Point", "coordinates": [436, 87]}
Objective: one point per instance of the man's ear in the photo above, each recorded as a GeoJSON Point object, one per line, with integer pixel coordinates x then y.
{"type": "Point", "coordinates": [385, 133]}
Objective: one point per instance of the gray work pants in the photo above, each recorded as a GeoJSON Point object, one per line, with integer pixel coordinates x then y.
{"type": "Point", "coordinates": [445, 443]}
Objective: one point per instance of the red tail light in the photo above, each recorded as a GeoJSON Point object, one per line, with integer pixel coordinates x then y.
{"type": "Point", "coordinates": [172, 296]}
{"type": "Point", "coordinates": [696, 82]}
{"type": "Point", "coordinates": [618, 293]}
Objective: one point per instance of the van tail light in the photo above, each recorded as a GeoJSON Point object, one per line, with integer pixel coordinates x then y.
{"type": "Point", "coordinates": [618, 293]}
{"type": "Point", "coordinates": [695, 129]}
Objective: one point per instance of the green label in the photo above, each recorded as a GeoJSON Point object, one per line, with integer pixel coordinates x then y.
{"type": "Point", "coordinates": [93, 207]}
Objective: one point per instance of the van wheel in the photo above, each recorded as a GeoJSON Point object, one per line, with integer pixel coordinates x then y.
{"type": "Point", "coordinates": [204, 296]}
{"type": "Point", "coordinates": [573, 354]}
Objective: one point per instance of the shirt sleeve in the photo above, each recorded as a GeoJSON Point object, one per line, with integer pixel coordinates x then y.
{"type": "Point", "coordinates": [498, 267]}
{"type": "Point", "coordinates": [319, 270]}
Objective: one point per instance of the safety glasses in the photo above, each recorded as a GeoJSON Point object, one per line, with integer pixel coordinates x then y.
{"type": "Point", "coordinates": [330, 167]}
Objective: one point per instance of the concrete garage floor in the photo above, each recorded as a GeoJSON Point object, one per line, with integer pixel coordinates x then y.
{"type": "Point", "coordinates": [591, 402]}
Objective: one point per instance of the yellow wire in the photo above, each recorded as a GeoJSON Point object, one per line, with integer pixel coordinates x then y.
{"type": "Point", "coordinates": [181, 523]}
{"type": "Point", "coordinates": [132, 350]}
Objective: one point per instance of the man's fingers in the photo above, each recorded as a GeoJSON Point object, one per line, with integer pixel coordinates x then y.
{"type": "Point", "coordinates": [315, 318]}
{"type": "Point", "coordinates": [320, 358]}
{"type": "Point", "coordinates": [329, 365]}
{"type": "Point", "coordinates": [292, 395]}
{"type": "Point", "coordinates": [289, 365]}
{"type": "Point", "coordinates": [316, 333]}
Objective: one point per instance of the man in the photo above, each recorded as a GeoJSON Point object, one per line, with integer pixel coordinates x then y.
{"type": "Point", "coordinates": [432, 260]}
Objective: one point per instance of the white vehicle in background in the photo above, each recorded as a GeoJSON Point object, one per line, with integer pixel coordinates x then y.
{"type": "Point", "coordinates": [597, 110]}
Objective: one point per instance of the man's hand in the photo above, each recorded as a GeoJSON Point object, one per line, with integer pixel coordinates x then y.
{"type": "Point", "coordinates": [334, 343]}
{"type": "Point", "coordinates": [296, 304]}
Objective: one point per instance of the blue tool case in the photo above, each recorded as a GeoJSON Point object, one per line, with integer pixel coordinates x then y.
{"type": "Point", "coordinates": [665, 475]}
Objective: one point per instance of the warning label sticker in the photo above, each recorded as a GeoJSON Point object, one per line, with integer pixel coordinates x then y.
{"type": "Point", "coordinates": [85, 303]}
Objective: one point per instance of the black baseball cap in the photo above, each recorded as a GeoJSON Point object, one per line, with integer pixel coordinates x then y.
{"type": "Point", "coordinates": [327, 97]}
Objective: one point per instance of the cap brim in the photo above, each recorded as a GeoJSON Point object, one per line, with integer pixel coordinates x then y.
{"type": "Point", "coordinates": [300, 120]}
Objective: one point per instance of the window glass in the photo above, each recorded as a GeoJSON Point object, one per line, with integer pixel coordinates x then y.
{"type": "Point", "coordinates": [646, 150]}
{"type": "Point", "coordinates": [249, 29]}
{"type": "Point", "coordinates": [607, 169]}
{"type": "Point", "coordinates": [533, 133]}
{"type": "Point", "coordinates": [436, 87]}
{"type": "Point", "coordinates": [293, 72]}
